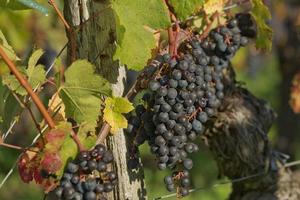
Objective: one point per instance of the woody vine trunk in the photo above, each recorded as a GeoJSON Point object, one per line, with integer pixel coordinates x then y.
{"type": "Point", "coordinates": [93, 38]}
{"type": "Point", "coordinates": [239, 142]}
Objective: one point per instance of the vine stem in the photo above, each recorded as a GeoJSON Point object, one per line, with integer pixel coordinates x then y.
{"type": "Point", "coordinates": [77, 141]}
{"type": "Point", "coordinates": [11, 146]}
{"type": "Point", "coordinates": [28, 88]}
{"type": "Point", "coordinates": [69, 29]}
{"type": "Point", "coordinates": [53, 4]}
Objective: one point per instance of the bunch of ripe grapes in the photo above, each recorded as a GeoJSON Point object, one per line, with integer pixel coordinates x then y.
{"type": "Point", "coordinates": [88, 177]}
{"type": "Point", "coordinates": [184, 94]}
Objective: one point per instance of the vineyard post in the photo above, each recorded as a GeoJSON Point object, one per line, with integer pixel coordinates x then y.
{"type": "Point", "coordinates": [95, 41]}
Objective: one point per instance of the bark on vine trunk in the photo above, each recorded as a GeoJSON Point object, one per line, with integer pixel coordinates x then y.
{"type": "Point", "coordinates": [94, 39]}
{"type": "Point", "coordinates": [239, 142]}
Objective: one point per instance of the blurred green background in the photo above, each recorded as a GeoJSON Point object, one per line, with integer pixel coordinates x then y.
{"type": "Point", "coordinates": [263, 74]}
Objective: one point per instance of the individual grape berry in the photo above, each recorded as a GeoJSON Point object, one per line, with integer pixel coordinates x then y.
{"type": "Point", "coordinates": [111, 175]}
{"type": "Point", "coordinates": [154, 85]}
{"type": "Point", "coordinates": [171, 187]}
{"type": "Point", "coordinates": [202, 117]}
{"type": "Point", "coordinates": [92, 165]}
{"type": "Point", "coordinates": [184, 192]}
{"type": "Point", "coordinates": [107, 157]}
{"type": "Point", "coordinates": [172, 93]}
{"type": "Point", "coordinates": [185, 182]}
{"type": "Point", "coordinates": [58, 192]}
{"type": "Point", "coordinates": [176, 74]}
{"type": "Point", "coordinates": [188, 164]}
{"type": "Point", "coordinates": [77, 196]}
{"type": "Point", "coordinates": [75, 179]}
{"type": "Point", "coordinates": [90, 196]}
{"type": "Point", "coordinates": [168, 180]}
{"type": "Point", "coordinates": [99, 188]}
{"type": "Point", "coordinates": [161, 166]}
{"type": "Point", "coordinates": [72, 168]}
{"type": "Point", "coordinates": [83, 156]}
{"type": "Point", "coordinates": [67, 176]}
{"type": "Point", "coordinates": [197, 126]}
{"type": "Point", "coordinates": [68, 192]}
{"type": "Point", "coordinates": [89, 185]}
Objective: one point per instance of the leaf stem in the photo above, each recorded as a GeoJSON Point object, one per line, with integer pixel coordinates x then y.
{"type": "Point", "coordinates": [77, 141]}
{"type": "Point", "coordinates": [28, 88]}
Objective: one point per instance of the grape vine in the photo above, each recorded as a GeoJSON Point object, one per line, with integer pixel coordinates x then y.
{"type": "Point", "coordinates": [183, 91]}
{"type": "Point", "coordinates": [184, 94]}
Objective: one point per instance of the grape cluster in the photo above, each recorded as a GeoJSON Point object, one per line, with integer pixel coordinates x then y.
{"type": "Point", "coordinates": [183, 95]}
{"type": "Point", "coordinates": [88, 176]}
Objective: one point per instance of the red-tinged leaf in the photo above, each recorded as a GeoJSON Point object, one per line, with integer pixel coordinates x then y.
{"type": "Point", "coordinates": [49, 184]}
{"type": "Point", "coordinates": [54, 139]}
{"type": "Point", "coordinates": [37, 176]}
{"type": "Point", "coordinates": [45, 157]}
{"type": "Point", "coordinates": [26, 173]}
{"type": "Point", "coordinates": [55, 136]}
{"type": "Point", "coordinates": [27, 165]}
{"type": "Point", "coordinates": [51, 162]}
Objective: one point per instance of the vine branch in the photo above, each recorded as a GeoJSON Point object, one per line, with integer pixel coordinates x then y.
{"type": "Point", "coordinates": [69, 29]}
{"type": "Point", "coordinates": [53, 4]}
{"type": "Point", "coordinates": [11, 146]}
{"type": "Point", "coordinates": [28, 88]}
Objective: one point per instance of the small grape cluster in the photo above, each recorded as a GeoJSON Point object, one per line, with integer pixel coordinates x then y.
{"type": "Point", "coordinates": [88, 176]}
{"type": "Point", "coordinates": [183, 95]}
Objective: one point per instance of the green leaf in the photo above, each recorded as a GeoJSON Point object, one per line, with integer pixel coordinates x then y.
{"type": "Point", "coordinates": [69, 148]}
{"type": "Point", "coordinates": [82, 92]}
{"type": "Point", "coordinates": [23, 5]}
{"type": "Point", "coordinates": [185, 8]}
{"type": "Point", "coordinates": [11, 110]}
{"type": "Point", "coordinates": [261, 14]}
{"type": "Point", "coordinates": [9, 107]}
{"type": "Point", "coordinates": [35, 76]}
{"type": "Point", "coordinates": [114, 108]}
{"type": "Point", "coordinates": [134, 38]}
{"type": "Point", "coordinates": [7, 48]}
{"type": "Point", "coordinates": [35, 57]}
{"type": "Point", "coordinates": [13, 84]}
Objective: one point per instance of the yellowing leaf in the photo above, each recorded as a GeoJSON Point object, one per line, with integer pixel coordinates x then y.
{"type": "Point", "coordinates": [115, 120]}
{"type": "Point", "coordinates": [56, 103]}
{"type": "Point", "coordinates": [119, 104]}
{"type": "Point", "coordinates": [114, 108]}
{"type": "Point", "coordinates": [212, 6]}
{"type": "Point", "coordinates": [261, 14]}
